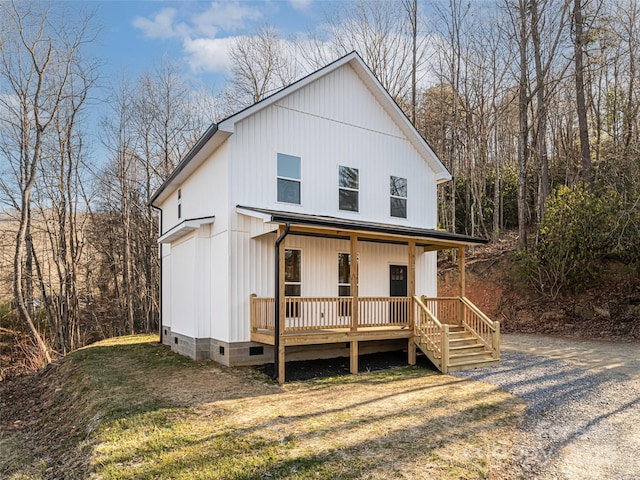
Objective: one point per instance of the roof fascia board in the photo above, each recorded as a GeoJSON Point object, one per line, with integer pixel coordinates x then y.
{"type": "Point", "coordinates": [442, 174]}
{"type": "Point", "coordinates": [340, 226]}
{"type": "Point", "coordinates": [208, 143]}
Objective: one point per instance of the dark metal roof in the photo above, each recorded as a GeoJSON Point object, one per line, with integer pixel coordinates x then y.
{"type": "Point", "coordinates": [304, 219]}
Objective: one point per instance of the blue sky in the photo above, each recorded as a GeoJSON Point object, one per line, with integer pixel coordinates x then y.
{"type": "Point", "coordinates": [136, 34]}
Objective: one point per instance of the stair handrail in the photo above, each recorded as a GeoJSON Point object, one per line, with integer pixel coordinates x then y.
{"type": "Point", "coordinates": [443, 331]}
{"type": "Point", "coordinates": [494, 327]}
{"type": "Point", "coordinates": [431, 316]}
{"type": "Point", "coordinates": [479, 313]}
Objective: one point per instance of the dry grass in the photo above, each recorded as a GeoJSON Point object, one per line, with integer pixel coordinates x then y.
{"type": "Point", "coordinates": [162, 416]}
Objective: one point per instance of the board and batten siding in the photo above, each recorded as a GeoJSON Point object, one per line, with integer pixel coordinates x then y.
{"type": "Point", "coordinates": [195, 300]}
{"type": "Point", "coordinates": [183, 294]}
{"type": "Point", "coordinates": [205, 193]}
{"type": "Point", "coordinates": [333, 121]}
{"type": "Point", "coordinates": [252, 260]}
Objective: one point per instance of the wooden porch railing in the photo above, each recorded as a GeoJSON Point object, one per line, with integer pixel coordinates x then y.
{"type": "Point", "coordinates": [432, 332]}
{"type": "Point", "coordinates": [432, 319]}
{"type": "Point", "coordinates": [460, 311]}
{"type": "Point", "coordinates": [313, 313]}
{"type": "Point", "coordinates": [484, 328]}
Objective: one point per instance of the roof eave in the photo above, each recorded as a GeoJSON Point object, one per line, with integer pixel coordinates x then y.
{"type": "Point", "coordinates": [172, 182]}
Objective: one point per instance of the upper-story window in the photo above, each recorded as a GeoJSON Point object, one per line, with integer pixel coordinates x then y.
{"type": "Point", "coordinates": [348, 188]}
{"type": "Point", "coordinates": [288, 179]}
{"type": "Point", "coordinates": [398, 193]}
{"type": "Point", "coordinates": [179, 203]}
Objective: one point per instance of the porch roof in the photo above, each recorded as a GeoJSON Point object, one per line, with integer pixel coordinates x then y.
{"type": "Point", "coordinates": [333, 226]}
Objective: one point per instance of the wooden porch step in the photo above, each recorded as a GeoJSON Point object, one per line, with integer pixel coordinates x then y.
{"type": "Point", "coordinates": [458, 358]}
{"type": "Point", "coordinates": [473, 364]}
{"type": "Point", "coordinates": [464, 349]}
{"type": "Point", "coordinates": [464, 341]}
{"type": "Point", "coordinates": [455, 328]}
{"type": "Point", "coordinates": [460, 334]}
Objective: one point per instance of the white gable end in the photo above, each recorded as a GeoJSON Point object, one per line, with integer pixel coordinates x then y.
{"type": "Point", "coordinates": [343, 97]}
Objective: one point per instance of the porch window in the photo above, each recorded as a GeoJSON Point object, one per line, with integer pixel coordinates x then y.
{"type": "Point", "coordinates": [398, 191]}
{"type": "Point", "coordinates": [348, 188]}
{"type": "Point", "coordinates": [292, 279]}
{"type": "Point", "coordinates": [288, 179]}
{"type": "Point", "coordinates": [344, 281]}
{"type": "Point", "coordinates": [344, 272]}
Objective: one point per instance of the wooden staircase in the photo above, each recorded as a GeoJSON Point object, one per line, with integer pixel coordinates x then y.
{"type": "Point", "coordinates": [466, 350]}
{"type": "Point", "coordinates": [473, 341]}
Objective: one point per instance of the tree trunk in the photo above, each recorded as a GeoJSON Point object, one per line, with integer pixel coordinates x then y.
{"type": "Point", "coordinates": [585, 153]}
{"type": "Point", "coordinates": [523, 130]}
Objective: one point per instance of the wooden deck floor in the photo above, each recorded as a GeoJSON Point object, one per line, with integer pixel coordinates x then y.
{"type": "Point", "coordinates": [333, 335]}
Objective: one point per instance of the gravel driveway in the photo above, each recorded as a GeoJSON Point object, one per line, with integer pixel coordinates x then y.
{"type": "Point", "coordinates": [583, 397]}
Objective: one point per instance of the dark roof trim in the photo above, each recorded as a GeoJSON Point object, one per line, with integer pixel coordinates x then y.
{"type": "Point", "coordinates": [382, 228]}
{"type": "Point", "coordinates": [187, 158]}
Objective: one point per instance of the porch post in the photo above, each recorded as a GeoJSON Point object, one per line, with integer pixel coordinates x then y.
{"type": "Point", "coordinates": [411, 347]}
{"type": "Point", "coordinates": [353, 280]}
{"type": "Point", "coordinates": [282, 312]}
{"type": "Point", "coordinates": [353, 360]}
{"type": "Point", "coordinates": [462, 283]}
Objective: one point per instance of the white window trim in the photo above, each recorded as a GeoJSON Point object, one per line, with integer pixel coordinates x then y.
{"type": "Point", "coordinates": [350, 189]}
{"type": "Point", "coordinates": [406, 199]}
{"type": "Point", "coordinates": [300, 282]}
{"type": "Point", "coordinates": [341, 284]}
{"type": "Point", "coordinates": [291, 179]}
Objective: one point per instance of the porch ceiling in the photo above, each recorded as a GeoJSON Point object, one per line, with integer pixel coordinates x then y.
{"type": "Point", "coordinates": [319, 225]}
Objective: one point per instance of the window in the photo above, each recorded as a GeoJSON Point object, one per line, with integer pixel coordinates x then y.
{"type": "Point", "coordinates": [288, 179]}
{"type": "Point", "coordinates": [344, 282]}
{"type": "Point", "coordinates": [292, 276]}
{"type": "Point", "coordinates": [179, 203]}
{"type": "Point", "coordinates": [344, 272]}
{"type": "Point", "coordinates": [398, 192]}
{"type": "Point", "coordinates": [348, 188]}
{"type": "Point", "coordinates": [292, 279]}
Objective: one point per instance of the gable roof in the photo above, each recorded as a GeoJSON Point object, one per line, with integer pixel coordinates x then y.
{"type": "Point", "coordinates": [217, 133]}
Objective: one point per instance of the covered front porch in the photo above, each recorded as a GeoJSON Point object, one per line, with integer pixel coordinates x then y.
{"type": "Point", "coordinates": [452, 332]}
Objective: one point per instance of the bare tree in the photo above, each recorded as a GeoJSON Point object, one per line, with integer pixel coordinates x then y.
{"type": "Point", "coordinates": [580, 42]}
{"type": "Point", "coordinates": [383, 38]}
{"type": "Point", "coordinates": [39, 58]}
{"type": "Point", "coordinates": [550, 23]}
{"type": "Point", "coordinates": [260, 65]}
{"type": "Point", "coordinates": [411, 6]}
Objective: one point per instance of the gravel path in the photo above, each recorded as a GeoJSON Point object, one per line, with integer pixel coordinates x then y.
{"type": "Point", "coordinates": [583, 415]}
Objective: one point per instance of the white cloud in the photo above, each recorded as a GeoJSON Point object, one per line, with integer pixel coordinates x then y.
{"type": "Point", "coordinates": [300, 5]}
{"type": "Point", "coordinates": [208, 54]}
{"type": "Point", "coordinates": [205, 50]}
{"type": "Point", "coordinates": [227, 16]}
{"type": "Point", "coordinates": [159, 26]}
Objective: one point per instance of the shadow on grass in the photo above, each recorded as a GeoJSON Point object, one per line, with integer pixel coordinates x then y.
{"type": "Point", "coordinates": [331, 443]}
{"type": "Point", "coordinates": [112, 404]}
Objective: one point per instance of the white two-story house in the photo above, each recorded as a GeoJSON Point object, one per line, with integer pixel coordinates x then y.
{"type": "Point", "coordinates": [305, 226]}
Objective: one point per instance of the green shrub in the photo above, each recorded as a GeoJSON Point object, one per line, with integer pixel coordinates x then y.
{"type": "Point", "coordinates": [578, 231]}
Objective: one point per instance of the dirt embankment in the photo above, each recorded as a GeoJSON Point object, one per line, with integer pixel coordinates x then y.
{"type": "Point", "coordinates": [610, 310]}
